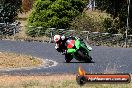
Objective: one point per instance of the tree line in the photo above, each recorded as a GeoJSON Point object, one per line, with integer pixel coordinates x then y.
{"type": "Point", "coordinates": [118, 10]}
{"type": "Point", "coordinates": [9, 9]}
{"type": "Point", "coordinates": [61, 13]}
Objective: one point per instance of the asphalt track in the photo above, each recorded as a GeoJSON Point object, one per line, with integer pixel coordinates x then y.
{"type": "Point", "coordinates": [106, 59]}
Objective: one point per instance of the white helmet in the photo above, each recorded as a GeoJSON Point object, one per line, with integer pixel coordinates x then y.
{"type": "Point", "coordinates": [62, 37]}
{"type": "Point", "coordinates": [57, 38]}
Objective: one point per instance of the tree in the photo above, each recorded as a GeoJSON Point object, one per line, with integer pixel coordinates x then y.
{"type": "Point", "coordinates": [55, 13]}
{"type": "Point", "coordinates": [27, 5]}
{"type": "Point", "coordinates": [117, 9]}
{"type": "Point", "coordinates": [92, 21]}
{"type": "Point", "coordinates": [10, 9]}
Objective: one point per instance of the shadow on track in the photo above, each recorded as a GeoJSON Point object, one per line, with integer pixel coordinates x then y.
{"type": "Point", "coordinates": [81, 62]}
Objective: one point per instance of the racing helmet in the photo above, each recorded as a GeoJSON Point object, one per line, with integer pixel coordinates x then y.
{"type": "Point", "coordinates": [57, 38]}
{"type": "Point", "coordinates": [63, 37]}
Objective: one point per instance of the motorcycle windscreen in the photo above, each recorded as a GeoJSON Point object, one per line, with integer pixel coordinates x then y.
{"type": "Point", "coordinates": [70, 44]}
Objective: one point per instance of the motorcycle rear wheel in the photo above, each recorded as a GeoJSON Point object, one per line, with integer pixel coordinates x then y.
{"type": "Point", "coordinates": [82, 54]}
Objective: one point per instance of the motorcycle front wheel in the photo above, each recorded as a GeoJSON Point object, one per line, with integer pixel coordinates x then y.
{"type": "Point", "coordinates": [68, 58]}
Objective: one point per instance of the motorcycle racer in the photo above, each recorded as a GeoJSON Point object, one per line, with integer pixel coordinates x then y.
{"type": "Point", "coordinates": [72, 47]}
{"type": "Point", "coordinates": [60, 43]}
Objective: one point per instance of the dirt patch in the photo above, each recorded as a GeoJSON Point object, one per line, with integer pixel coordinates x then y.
{"type": "Point", "coordinates": [12, 60]}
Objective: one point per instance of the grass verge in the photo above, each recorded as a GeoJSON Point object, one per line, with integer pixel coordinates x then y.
{"type": "Point", "coordinates": [53, 81]}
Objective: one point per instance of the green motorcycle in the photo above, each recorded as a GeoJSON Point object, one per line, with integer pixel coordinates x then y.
{"type": "Point", "coordinates": [78, 49]}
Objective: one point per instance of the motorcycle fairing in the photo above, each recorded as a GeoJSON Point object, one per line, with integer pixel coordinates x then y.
{"type": "Point", "coordinates": [70, 43]}
{"type": "Point", "coordinates": [77, 44]}
{"type": "Point", "coordinates": [71, 51]}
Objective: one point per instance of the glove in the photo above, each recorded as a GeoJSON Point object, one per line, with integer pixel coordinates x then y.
{"type": "Point", "coordinates": [56, 46]}
{"type": "Point", "coordinates": [64, 52]}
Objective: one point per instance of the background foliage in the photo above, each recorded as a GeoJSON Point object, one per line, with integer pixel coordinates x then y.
{"type": "Point", "coordinates": [92, 21]}
{"type": "Point", "coordinates": [55, 13]}
{"type": "Point", "coordinates": [27, 5]}
{"type": "Point", "coordinates": [118, 10]}
{"type": "Point", "coordinates": [9, 9]}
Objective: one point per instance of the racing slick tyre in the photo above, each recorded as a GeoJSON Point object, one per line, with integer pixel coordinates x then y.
{"type": "Point", "coordinates": [88, 59]}
{"type": "Point", "coordinates": [83, 55]}
{"type": "Point", "coordinates": [68, 58]}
